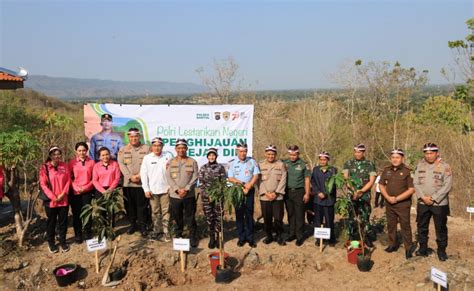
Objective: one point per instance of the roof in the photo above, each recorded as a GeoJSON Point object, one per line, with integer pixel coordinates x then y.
{"type": "Point", "coordinates": [8, 77]}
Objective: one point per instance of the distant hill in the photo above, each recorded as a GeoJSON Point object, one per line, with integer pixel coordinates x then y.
{"type": "Point", "coordinates": [72, 88]}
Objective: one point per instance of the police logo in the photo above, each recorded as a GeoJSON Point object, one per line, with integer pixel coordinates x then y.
{"type": "Point", "coordinates": [235, 115]}
{"type": "Point", "coordinates": [226, 115]}
{"type": "Point", "coordinates": [217, 115]}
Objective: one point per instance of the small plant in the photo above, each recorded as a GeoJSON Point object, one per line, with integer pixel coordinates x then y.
{"type": "Point", "coordinates": [344, 204]}
{"type": "Point", "coordinates": [100, 213]}
{"type": "Point", "coordinates": [228, 195]}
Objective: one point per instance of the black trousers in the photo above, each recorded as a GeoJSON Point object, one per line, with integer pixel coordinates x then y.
{"type": "Point", "coordinates": [440, 217]}
{"type": "Point", "coordinates": [135, 205]}
{"type": "Point", "coordinates": [272, 212]}
{"type": "Point", "coordinates": [379, 200]}
{"type": "Point", "coordinates": [77, 202]}
{"type": "Point", "coordinates": [56, 215]}
{"type": "Point", "coordinates": [296, 210]}
{"type": "Point", "coordinates": [327, 213]}
{"type": "Point", "coordinates": [183, 211]}
{"type": "Point", "coordinates": [244, 217]}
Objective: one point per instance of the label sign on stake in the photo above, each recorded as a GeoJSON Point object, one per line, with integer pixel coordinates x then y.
{"type": "Point", "coordinates": [94, 244]}
{"type": "Point", "coordinates": [470, 209]}
{"type": "Point", "coordinates": [324, 233]}
{"type": "Point", "coordinates": [439, 277]}
{"type": "Point", "coordinates": [181, 244]}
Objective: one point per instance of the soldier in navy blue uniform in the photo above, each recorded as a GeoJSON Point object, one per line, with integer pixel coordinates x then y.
{"type": "Point", "coordinates": [106, 138]}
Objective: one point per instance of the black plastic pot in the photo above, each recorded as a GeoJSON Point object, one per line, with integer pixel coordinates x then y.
{"type": "Point", "coordinates": [68, 278]}
{"type": "Point", "coordinates": [224, 276]}
{"type": "Point", "coordinates": [364, 263]}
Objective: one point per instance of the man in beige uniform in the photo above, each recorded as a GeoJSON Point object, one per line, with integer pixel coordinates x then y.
{"type": "Point", "coordinates": [433, 180]}
{"type": "Point", "coordinates": [271, 188]}
{"type": "Point", "coordinates": [130, 158]}
{"type": "Point", "coordinates": [182, 174]}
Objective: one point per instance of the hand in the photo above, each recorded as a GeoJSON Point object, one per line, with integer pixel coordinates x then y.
{"type": "Point", "coordinates": [269, 196]}
{"type": "Point", "coordinates": [148, 194]}
{"type": "Point", "coordinates": [306, 198]}
{"type": "Point", "coordinates": [248, 186]}
{"type": "Point", "coordinates": [135, 179]}
{"type": "Point", "coordinates": [321, 196]}
{"type": "Point", "coordinates": [182, 193]}
{"type": "Point", "coordinates": [427, 200]}
{"type": "Point", "coordinates": [60, 197]}
{"type": "Point", "coordinates": [81, 190]}
{"type": "Point", "coordinates": [392, 200]}
{"type": "Point", "coordinates": [274, 196]}
{"type": "Point", "coordinates": [246, 191]}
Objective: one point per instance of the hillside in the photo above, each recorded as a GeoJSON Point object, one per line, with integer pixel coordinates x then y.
{"type": "Point", "coordinates": [72, 88]}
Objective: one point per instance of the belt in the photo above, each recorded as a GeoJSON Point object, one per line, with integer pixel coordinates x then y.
{"type": "Point", "coordinates": [294, 189]}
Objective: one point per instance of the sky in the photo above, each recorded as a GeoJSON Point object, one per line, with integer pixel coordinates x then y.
{"type": "Point", "coordinates": [277, 44]}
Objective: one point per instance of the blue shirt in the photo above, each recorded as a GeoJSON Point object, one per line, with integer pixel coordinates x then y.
{"type": "Point", "coordinates": [112, 141]}
{"type": "Point", "coordinates": [243, 170]}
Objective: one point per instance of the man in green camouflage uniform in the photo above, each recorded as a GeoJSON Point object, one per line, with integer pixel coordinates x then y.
{"type": "Point", "coordinates": [362, 172]}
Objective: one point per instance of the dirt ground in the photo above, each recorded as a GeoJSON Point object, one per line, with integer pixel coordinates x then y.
{"type": "Point", "coordinates": [154, 265]}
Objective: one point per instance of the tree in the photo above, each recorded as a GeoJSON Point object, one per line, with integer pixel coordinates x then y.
{"type": "Point", "coordinates": [223, 81]}
{"type": "Point", "coordinates": [19, 152]}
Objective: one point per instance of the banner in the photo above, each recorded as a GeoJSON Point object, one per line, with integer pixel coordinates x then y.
{"type": "Point", "coordinates": [203, 126]}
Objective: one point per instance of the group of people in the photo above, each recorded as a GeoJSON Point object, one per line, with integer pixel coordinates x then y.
{"type": "Point", "coordinates": [153, 178]}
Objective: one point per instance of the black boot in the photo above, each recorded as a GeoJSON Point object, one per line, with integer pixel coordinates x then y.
{"type": "Point", "coordinates": [212, 241]}
{"type": "Point", "coordinates": [422, 251]}
{"type": "Point", "coordinates": [409, 252]}
{"type": "Point", "coordinates": [442, 256]}
{"type": "Point", "coordinates": [268, 239]}
{"type": "Point", "coordinates": [132, 229]}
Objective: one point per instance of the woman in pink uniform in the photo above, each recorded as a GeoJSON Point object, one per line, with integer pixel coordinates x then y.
{"type": "Point", "coordinates": [55, 180]}
{"type": "Point", "coordinates": [82, 189]}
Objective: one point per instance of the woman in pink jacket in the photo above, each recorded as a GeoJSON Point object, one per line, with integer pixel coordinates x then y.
{"type": "Point", "coordinates": [106, 173]}
{"type": "Point", "coordinates": [55, 180]}
{"type": "Point", "coordinates": [82, 189]}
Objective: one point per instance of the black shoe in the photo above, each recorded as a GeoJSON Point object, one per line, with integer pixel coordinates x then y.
{"type": "Point", "coordinates": [64, 247]}
{"type": "Point", "coordinates": [281, 241]}
{"type": "Point", "coordinates": [268, 240]}
{"type": "Point", "coordinates": [88, 236]}
{"type": "Point", "coordinates": [332, 243]}
{"type": "Point", "coordinates": [78, 240]}
{"type": "Point", "coordinates": [317, 243]}
{"type": "Point", "coordinates": [194, 242]}
{"type": "Point", "coordinates": [291, 238]}
{"type": "Point", "coordinates": [252, 244]}
{"type": "Point", "coordinates": [442, 256]}
{"type": "Point", "coordinates": [391, 249]}
{"type": "Point", "coordinates": [132, 229]}
{"type": "Point", "coordinates": [144, 232]}
{"type": "Point", "coordinates": [241, 243]}
{"type": "Point", "coordinates": [212, 242]}
{"type": "Point", "coordinates": [299, 242]}
{"type": "Point", "coordinates": [421, 253]}
{"type": "Point", "coordinates": [53, 248]}
{"type": "Point", "coordinates": [410, 251]}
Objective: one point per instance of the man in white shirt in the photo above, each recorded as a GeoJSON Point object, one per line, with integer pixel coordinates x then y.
{"type": "Point", "coordinates": [155, 186]}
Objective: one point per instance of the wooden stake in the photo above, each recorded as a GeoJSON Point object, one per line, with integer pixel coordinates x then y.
{"type": "Point", "coordinates": [470, 217]}
{"type": "Point", "coordinates": [439, 287]}
{"type": "Point", "coordinates": [183, 260]}
{"type": "Point", "coordinates": [321, 243]}
{"type": "Point", "coordinates": [97, 262]}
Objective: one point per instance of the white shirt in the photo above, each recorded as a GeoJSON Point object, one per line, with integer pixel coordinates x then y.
{"type": "Point", "coordinates": [377, 181]}
{"type": "Point", "coordinates": [153, 173]}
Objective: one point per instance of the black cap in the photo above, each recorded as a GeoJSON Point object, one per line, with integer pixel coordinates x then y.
{"type": "Point", "coordinates": [398, 151]}
{"type": "Point", "coordinates": [106, 116]}
{"type": "Point", "coordinates": [212, 151]}
{"type": "Point", "coordinates": [242, 146]}
{"type": "Point", "coordinates": [271, 148]}
{"type": "Point", "coordinates": [293, 149]}
{"type": "Point", "coordinates": [360, 147]}
{"type": "Point", "coordinates": [133, 131]}
{"type": "Point", "coordinates": [430, 147]}
{"type": "Point", "coordinates": [181, 141]}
